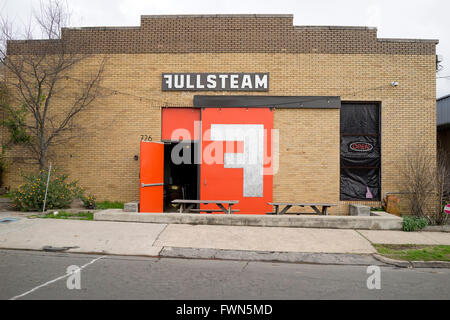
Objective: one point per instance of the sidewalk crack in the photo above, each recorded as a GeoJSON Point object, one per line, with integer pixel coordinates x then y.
{"type": "Point", "coordinates": [159, 234]}
{"type": "Point", "coordinates": [357, 231]}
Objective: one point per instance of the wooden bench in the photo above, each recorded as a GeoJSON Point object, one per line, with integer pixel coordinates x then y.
{"type": "Point", "coordinates": [288, 205]}
{"type": "Point", "coordinates": [220, 203]}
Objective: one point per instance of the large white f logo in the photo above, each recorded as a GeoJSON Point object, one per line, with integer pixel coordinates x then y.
{"type": "Point", "coordinates": [252, 160]}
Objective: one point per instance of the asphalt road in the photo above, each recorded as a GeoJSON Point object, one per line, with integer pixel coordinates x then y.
{"type": "Point", "coordinates": [40, 275]}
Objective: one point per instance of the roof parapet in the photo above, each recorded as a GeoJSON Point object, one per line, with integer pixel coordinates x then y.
{"type": "Point", "coordinates": [178, 16]}
{"type": "Point", "coordinates": [435, 41]}
{"type": "Point", "coordinates": [336, 27]}
{"type": "Point", "coordinates": [102, 28]}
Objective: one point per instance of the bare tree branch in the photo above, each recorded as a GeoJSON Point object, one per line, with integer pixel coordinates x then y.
{"type": "Point", "coordinates": [36, 77]}
{"type": "Point", "coordinates": [425, 181]}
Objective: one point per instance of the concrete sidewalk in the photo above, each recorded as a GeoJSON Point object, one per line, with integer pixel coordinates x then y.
{"type": "Point", "coordinates": [333, 246]}
{"type": "Point", "coordinates": [400, 237]}
{"type": "Point", "coordinates": [88, 236]}
{"type": "Point", "coordinates": [264, 239]}
{"type": "Point", "coordinates": [148, 238]}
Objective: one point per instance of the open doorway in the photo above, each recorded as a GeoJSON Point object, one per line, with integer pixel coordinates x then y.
{"type": "Point", "coordinates": [181, 173]}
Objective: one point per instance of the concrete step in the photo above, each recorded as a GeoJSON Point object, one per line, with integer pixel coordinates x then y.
{"type": "Point", "coordinates": [381, 221]}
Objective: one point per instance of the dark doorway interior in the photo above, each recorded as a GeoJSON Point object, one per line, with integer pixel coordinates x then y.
{"type": "Point", "coordinates": [180, 173]}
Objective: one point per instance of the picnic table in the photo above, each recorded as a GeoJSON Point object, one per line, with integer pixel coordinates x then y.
{"type": "Point", "coordinates": [288, 205]}
{"type": "Point", "coordinates": [220, 203]}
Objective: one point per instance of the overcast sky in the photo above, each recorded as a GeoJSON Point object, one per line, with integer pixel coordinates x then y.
{"type": "Point", "coordinates": [426, 19]}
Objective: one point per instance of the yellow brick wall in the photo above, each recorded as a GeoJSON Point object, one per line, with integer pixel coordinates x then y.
{"type": "Point", "coordinates": [309, 156]}
{"type": "Point", "coordinates": [102, 157]}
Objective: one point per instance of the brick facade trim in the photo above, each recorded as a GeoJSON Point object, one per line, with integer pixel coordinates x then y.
{"type": "Point", "coordinates": [223, 34]}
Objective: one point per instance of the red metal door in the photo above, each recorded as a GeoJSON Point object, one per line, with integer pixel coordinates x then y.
{"type": "Point", "coordinates": [151, 185]}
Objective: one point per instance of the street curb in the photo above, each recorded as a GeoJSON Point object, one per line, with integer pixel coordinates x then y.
{"type": "Point", "coordinates": [397, 263]}
{"type": "Point", "coordinates": [352, 259]}
{"type": "Point", "coordinates": [412, 264]}
{"type": "Point", "coordinates": [270, 256]}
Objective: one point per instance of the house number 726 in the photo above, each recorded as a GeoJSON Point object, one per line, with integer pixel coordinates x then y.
{"type": "Point", "coordinates": [145, 137]}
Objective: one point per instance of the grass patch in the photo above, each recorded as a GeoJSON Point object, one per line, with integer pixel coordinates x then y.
{"type": "Point", "coordinates": [411, 252]}
{"type": "Point", "coordinates": [67, 215]}
{"type": "Point", "coordinates": [5, 195]}
{"type": "Point", "coordinates": [109, 205]}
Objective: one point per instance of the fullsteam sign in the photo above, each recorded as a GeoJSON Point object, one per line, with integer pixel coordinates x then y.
{"type": "Point", "coordinates": [215, 81]}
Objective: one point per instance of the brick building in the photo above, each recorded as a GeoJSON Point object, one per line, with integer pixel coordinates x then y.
{"type": "Point", "coordinates": [347, 105]}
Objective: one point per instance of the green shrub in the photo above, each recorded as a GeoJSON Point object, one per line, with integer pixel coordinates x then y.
{"type": "Point", "coordinates": [89, 201]}
{"type": "Point", "coordinates": [414, 223]}
{"type": "Point", "coordinates": [30, 195]}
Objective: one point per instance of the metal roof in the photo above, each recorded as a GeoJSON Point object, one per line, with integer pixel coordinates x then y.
{"type": "Point", "coordinates": [443, 111]}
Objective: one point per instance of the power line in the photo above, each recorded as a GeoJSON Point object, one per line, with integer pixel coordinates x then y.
{"type": "Point", "coordinates": [115, 91]}
{"type": "Point", "coordinates": [164, 103]}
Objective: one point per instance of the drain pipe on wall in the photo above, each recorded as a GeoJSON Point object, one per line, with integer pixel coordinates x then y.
{"type": "Point", "coordinates": [46, 188]}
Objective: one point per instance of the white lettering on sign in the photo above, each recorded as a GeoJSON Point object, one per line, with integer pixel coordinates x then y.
{"type": "Point", "coordinates": [251, 160]}
{"type": "Point", "coordinates": [215, 81]}
{"type": "Point", "coordinates": [223, 77]}
{"type": "Point", "coordinates": [199, 83]}
{"type": "Point", "coordinates": [189, 85]}
{"type": "Point", "coordinates": [261, 82]}
{"type": "Point", "coordinates": [178, 82]}
{"type": "Point", "coordinates": [211, 78]}
{"type": "Point", "coordinates": [168, 80]}
{"type": "Point", "coordinates": [246, 81]}
{"type": "Point", "coordinates": [234, 81]}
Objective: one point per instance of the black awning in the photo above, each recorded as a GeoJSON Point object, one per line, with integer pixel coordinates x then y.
{"type": "Point", "coordinates": [293, 102]}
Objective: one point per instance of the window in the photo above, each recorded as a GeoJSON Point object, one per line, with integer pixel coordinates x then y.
{"type": "Point", "coordinates": [360, 152]}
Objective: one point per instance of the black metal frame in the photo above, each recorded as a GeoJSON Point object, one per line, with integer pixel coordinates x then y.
{"type": "Point", "coordinates": [278, 102]}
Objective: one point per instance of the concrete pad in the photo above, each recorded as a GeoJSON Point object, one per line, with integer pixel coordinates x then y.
{"type": "Point", "coordinates": [380, 220]}
{"type": "Point", "coordinates": [401, 237]}
{"type": "Point", "coordinates": [89, 236]}
{"type": "Point", "coordinates": [264, 239]}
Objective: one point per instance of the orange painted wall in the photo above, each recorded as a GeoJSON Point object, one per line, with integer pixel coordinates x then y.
{"type": "Point", "coordinates": [219, 183]}
{"type": "Point", "coordinates": [179, 118]}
